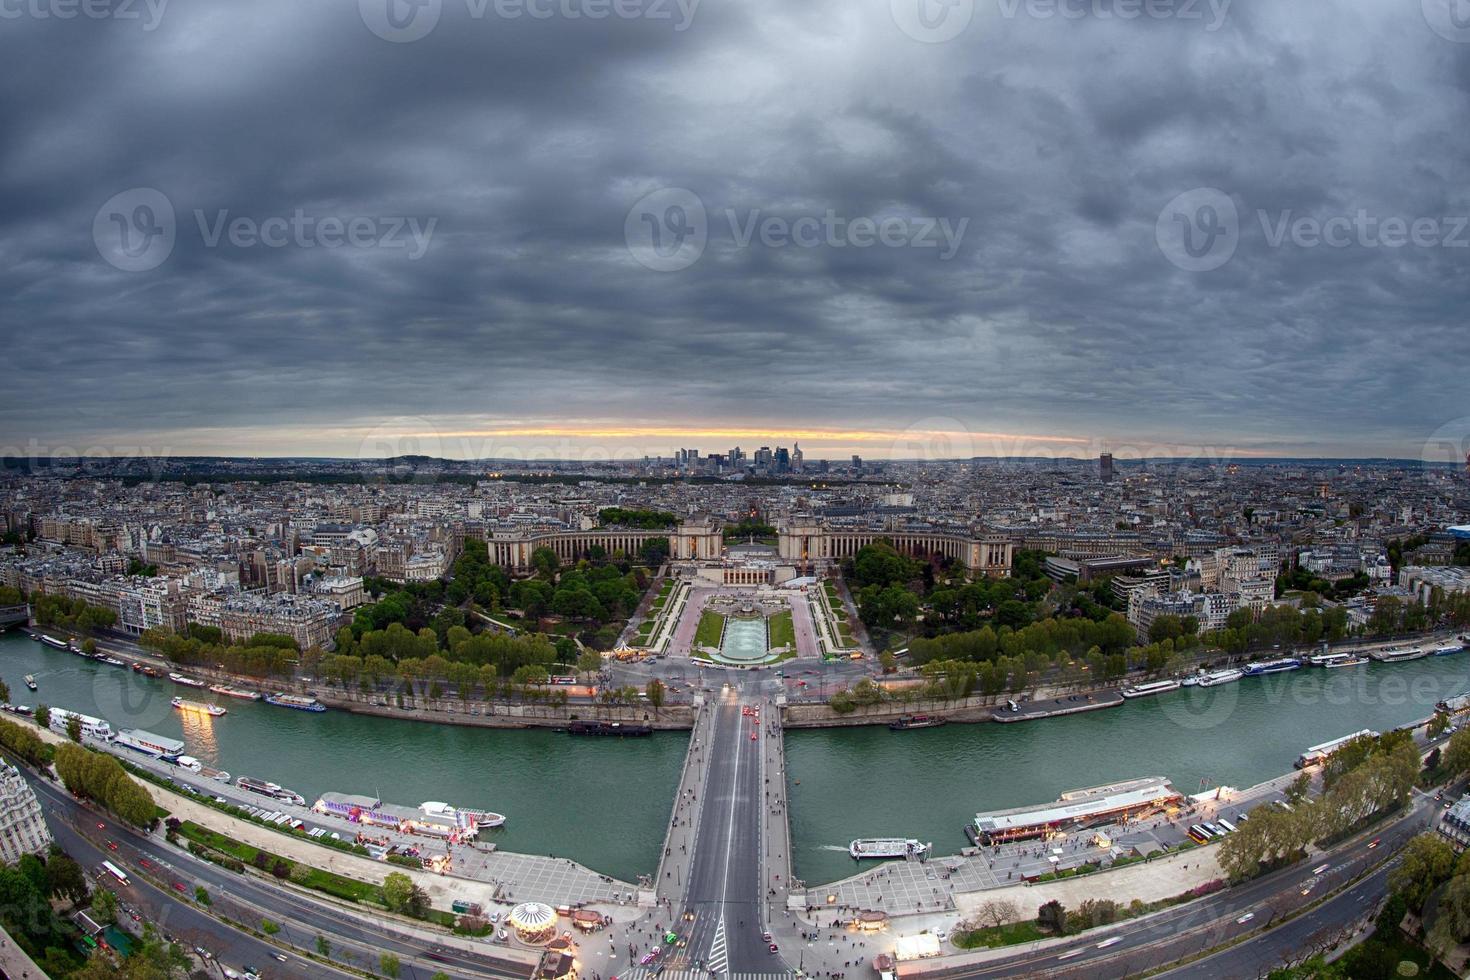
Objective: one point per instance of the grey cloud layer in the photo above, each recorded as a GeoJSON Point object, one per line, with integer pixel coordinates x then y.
{"type": "Point", "coordinates": [528, 140]}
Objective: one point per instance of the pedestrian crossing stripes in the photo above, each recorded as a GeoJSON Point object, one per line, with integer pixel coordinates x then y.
{"type": "Point", "coordinates": [718, 959]}
{"type": "Point", "coordinates": [653, 973]}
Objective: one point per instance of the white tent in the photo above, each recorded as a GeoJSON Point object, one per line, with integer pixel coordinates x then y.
{"type": "Point", "coordinates": [916, 947]}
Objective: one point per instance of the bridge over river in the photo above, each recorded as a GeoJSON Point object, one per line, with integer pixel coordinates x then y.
{"type": "Point", "coordinates": [726, 864]}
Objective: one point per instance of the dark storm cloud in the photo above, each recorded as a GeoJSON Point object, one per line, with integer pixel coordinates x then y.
{"type": "Point", "coordinates": [1057, 141]}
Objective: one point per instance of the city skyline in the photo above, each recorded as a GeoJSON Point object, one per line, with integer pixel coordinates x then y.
{"type": "Point", "coordinates": [506, 171]}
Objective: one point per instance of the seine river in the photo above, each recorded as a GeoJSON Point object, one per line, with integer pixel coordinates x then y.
{"type": "Point", "coordinates": [603, 802]}
{"type": "Point", "coordinates": [928, 783]}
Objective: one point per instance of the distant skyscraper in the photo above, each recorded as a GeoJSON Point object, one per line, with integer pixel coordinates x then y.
{"type": "Point", "coordinates": [783, 460]}
{"type": "Point", "coordinates": [796, 458]}
{"type": "Point", "coordinates": [1105, 466]}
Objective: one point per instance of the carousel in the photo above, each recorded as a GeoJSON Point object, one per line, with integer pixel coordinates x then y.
{"type": "Point", "coordinates": [534, 923]}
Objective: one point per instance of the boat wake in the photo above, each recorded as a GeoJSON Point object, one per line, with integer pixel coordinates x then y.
{"type": "Point", "coordinates": [833, 847]}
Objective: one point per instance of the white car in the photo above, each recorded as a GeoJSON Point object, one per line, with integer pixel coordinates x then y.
{"type": "Point", "coordinates": [1245, 918]}
{"type": "Point", "coordinates": [1110, 941]}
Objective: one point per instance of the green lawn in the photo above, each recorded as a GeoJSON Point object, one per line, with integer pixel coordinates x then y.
{"type": "Point", "coordinates": [782, 632]}
{"type": "Point", "coordinates": [991, 937]}
{"type": "Point", "coordinates": [711, 629]}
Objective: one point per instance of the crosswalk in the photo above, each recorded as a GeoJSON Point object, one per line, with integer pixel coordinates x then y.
{"type": "Point", "coordinates": [719, 951]}
{"type": "Point", "coordinates": [653, 973]}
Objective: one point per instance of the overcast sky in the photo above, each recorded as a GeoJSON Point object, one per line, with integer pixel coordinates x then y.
{"type": "Point", "coordinates": [483, 228]}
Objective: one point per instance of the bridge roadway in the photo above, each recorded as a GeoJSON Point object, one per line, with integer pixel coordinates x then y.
{"type": "Point", "coordinates": [725, 890]}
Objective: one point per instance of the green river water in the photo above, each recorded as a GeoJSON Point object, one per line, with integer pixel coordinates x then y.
{"type": "Point", "coordinates": [602, 801]}
{"type": "Point", "coordinates": [605, 802]}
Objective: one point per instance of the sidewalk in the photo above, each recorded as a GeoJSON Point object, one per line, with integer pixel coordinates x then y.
{"type": "Point", "coordinates": [14, 963]}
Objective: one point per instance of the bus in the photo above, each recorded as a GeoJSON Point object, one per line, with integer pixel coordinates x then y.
{"type": "Point", "coordinates": [1199, 835]}
{"type": "Point", "coordinates": [563, 679]}
{"type": "Point", "coordinates": [116, 872]}
{"type": "Point", "coordinates": [1229, 827]}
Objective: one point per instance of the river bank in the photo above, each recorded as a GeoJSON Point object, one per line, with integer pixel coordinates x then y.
{"type": "Point", "coordinates": [679, 716]}
{"type": "Point", "coordinates": [561, 793]}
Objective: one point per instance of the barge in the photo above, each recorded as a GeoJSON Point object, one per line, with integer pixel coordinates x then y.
{"type": "Point", "coordinates": [609, 728]}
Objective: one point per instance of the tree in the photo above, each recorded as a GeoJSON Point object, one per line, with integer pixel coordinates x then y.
{"type": "Point", "coordinates": [74, 728]}
{"type": "Point", "coordinates": [998, 912]}
{"type": "Point", "coordinates": [1053, 917]}
{"type": "Point", "coordinates": [64, 878]}
{"type": "Point", "coordinates": [590, 662]}
{"type": "Point", "coordinates": [324, 947]}
{"type": "Point", "coordinates": [545, 563]}
{"type": "Point", "coordinates": [401, 895]}
{"type": "Point", "coordinates": [655, 692]}
{"type": "Point", "coordinates": [4, 692]}
{"type": "Point", "coordinates": [269, 928]}
{"type": "Point", "coordinates": [388, 965]}
{"type": "Point", "coordinates": [104, 906]}
{"type": "Point", "coordinates": [1427, 861]}
{"type": "Point", "coordinates": [43, 716]}
{"type": "Point", "coordinates": [1456, 760]}
{"type": "Point", "coordinates": [201, 895]}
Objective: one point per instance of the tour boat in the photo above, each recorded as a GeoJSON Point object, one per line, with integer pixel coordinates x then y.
{"type": "Point", "coordinates": [235, 692]}
{"type": "Point", "coordinates": [1337, 660]}
{"type": "Point", "coordinates": [1227, 676]}
{"type": "Point", "coordinates": [158, 746]}
{"type": "Point", "coordinates": [1448, 647]}
{"type": "Point", "coordinates": [1318, 754]}
{"type": "Point", "coordinates": [1190, 681]}
{"type": "Point", "coordinates": [52, 641]}
{"type": "Point", "coordinates": [1273, 667]}
{"type": "Point", "coordinates": [94, 728]}
{"type": "Point", "coordinates": [31, 681]}
{"type": "Point", "coordinates": [1454, 705]}
{"type": "Point", "coordinates": [1153, 687]}
{"type": "Point", "coordinates": [272, 790]}
{"type": "Point", "coordinates": [186, 681]}
{"type": "Point", "coordinates": [112, 661]}
{"type": "Point", "coordinates": [295, 701]}
{"type": "Point", "coordinates": [887, 847]}
{"type": "Point", "coordinates": [198, 707]}
{"type": "Point", "coordinates": [1396, 654]}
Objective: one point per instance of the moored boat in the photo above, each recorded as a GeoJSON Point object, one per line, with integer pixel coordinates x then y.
{"type": "Point", "coordinates": [112, 661]}
{"type": "Point", "coordinates": [235, 692]}
{"type": "Point", "coordinates": [1448, 647]}
{"type": "Point", "coordinates": [1337, 660]}
{"type": "Point", "coordinates": [186, 681]}
{"type": "Point", "coordinates": [273, 790]}
{"type": "Point", "coordinates": [1216, 677]}
{"type": "Point", "coordinates": [1153, 687]}
{"type": "Point", "coordinates": [1398, 654]}
{"type": "Point", "coordinates": [198, 707]}
{"type": "Point", "coordinates": [906, 722]}
{"type": "Point", "coordinates": [1273, 667]}
{"type": "Point", "coordinates": [1318, 754]}
{"type": "Point", "coordinates": [608, 728]}
{"type": "Point", "coordinates": [52, 641]}
{"type": "Point", "coordinates": [158, 746]}
{"type": "Point", "coordinates": [296, 701]}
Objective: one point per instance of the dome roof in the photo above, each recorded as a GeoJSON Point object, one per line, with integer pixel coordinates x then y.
{"type": "Point", "coordinates": [532, 916]}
